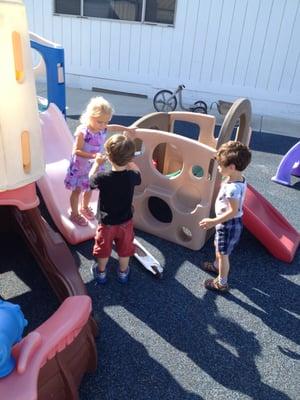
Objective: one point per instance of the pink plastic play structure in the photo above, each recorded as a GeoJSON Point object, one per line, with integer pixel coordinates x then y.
{"type": "Point", "coordinates": [46, 352]}
{"type": "Point", "coordinates": [57, 145]}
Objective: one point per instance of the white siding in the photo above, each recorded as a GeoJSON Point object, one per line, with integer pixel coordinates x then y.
{"type": "Point", "coordinates": [220, 49]}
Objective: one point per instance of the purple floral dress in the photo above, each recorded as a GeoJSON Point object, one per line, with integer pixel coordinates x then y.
{"type": "Point", "coordinates": [79, 168]}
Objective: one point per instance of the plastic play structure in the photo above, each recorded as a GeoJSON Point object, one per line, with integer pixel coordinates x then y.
{"type": "Point", "coordinates": [289, 165]}
{"type": "Point", "coordinates": [186, 196]}
{"type": "Point", "coordinates": [64, 346]}
{"type": "Point", "coordinates": [51, 64]}
{"type": "Point", "coordinates": [51, 360]}
{"type": "Point", "coordinates": [180, 182]}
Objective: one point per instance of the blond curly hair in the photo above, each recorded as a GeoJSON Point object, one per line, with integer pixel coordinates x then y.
{"type": "Point", "coordinates": [96, 107]}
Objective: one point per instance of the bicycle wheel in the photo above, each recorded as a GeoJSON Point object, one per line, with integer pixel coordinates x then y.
{"type": "Point", "coordinates": [201, 104]}
{"type": "Point", "coordinates": [164, 101]}
{"type": "Point", "coordinates": [200, 110]}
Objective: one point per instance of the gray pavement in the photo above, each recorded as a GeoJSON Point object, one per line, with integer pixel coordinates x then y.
{"type": "Point", "coordinates": [170, 339]}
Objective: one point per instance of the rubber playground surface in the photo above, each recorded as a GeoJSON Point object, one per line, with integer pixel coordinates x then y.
{"type": "Point", "coordinates": [170, 338]}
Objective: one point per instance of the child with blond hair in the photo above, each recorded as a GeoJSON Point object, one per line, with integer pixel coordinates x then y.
{"type": "Point", "coordinates": [90, 137]}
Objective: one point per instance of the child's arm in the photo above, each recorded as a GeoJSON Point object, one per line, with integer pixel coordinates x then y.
{"type": "Point", "coordinates": [131, 166]}
{"type": "Point", "coordinates": [100, 159]}
{"type": "Point", "coordinates": [208, 223]}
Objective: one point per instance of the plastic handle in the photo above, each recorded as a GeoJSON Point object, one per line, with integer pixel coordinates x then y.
{"type": "Point", "coordinates": [29, 346]}
{"type": "Point", "coordinates": [25, 144]}
{"type": "Point", "coordinates": [18, 57]}
{"type": "Point", "coordinates": [60, 73]}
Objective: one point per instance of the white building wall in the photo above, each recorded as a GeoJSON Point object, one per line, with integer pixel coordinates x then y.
{"type": "Point", "coordinates": [220, 49]}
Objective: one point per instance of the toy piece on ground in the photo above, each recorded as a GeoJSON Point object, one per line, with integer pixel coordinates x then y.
{"type": "Point", "coordinates": [289, 165]}
{"type": "Point", "coordinates": [51, 360]}
{"type": "Point", "coordinates": [12, 324]}
{"type": "Point", "coordinates": [147, 260]}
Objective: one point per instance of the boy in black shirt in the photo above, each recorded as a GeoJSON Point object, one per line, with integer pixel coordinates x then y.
{"type": "Point", "coordinates": [114, 211]}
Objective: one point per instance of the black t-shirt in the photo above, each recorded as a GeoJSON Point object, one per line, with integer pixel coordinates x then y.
{"type": "Point", "coordinates": [115, 197]}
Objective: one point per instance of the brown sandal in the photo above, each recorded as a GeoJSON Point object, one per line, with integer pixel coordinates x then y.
{"type": "Point", "coordinates": [78, 219]}
{"type": "Point", "coordinates": [209, 266]}
{"type": "Point", "coordinates": [213, 284]}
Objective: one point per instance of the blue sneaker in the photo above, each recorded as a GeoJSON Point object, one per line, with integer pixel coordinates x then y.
{"type": "Point", "coordinates": [100, 277]}
{"type": "Point", "coordinates": [123, 276]}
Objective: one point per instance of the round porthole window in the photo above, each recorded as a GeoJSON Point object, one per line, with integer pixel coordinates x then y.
{"type": "Point", "coordinates": [160, 210]}
{"type": "Point", "coordinates": [167, 160]}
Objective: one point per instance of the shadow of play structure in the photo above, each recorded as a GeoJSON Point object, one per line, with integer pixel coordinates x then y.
{"type": "Point", "coordinates": [176, 192]}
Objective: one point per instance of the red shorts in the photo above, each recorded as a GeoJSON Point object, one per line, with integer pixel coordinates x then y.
{"type": "Point", "coordinates": [122, 235]}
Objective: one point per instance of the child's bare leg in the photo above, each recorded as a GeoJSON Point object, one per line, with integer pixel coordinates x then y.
{"type": "Point", "coordinates": [123, 261]}
{"type": "Point", "coordinates": [102, 264]}
{"type": "Point", "coordinates": [74, 200]}
{"type": "Point", "coordinates": [217, 262]}
{"type": "Point", "coordinates": [223, 268]}
{"type": "Point", "coordinates": [212, 266]}
{"type": "Point", "coordinates": [86, 198]}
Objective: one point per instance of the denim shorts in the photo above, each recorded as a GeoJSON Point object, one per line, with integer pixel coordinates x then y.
{"type": "Point", "coordinates": [228, 235]}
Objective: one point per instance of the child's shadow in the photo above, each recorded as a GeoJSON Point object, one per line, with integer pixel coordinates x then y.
{"type": "Point", "coordinates": [189, 330]}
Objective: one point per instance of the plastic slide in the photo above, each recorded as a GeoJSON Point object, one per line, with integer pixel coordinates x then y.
{"type": "Point", "coordinates": [289, 165]}
{"type": "Point", "coordinates": [58, 143]}
{"type": "Point", "coordinates": [269, 226]}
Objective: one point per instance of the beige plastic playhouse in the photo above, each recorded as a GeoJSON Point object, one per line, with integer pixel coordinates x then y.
{"type": "Point", "coordinates": [179, 175]}
{"type": "Point", "coordinates": [21, 158]}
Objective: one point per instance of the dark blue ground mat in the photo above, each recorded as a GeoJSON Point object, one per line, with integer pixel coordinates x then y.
{"type": "Point", "coordinates": [170, 339]}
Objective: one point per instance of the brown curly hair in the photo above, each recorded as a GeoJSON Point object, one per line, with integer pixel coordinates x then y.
{"type": "Point", "coordinates": [120, 149]}
{"type": "Point", "coordinates": [235, 153]}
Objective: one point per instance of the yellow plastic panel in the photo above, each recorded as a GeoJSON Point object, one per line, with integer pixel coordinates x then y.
{"type": "Point", "coordinates": [18, 56]}
{"type": "Point", "coordinates": [26, 156]}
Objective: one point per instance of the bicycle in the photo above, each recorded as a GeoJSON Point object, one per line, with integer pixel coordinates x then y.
{"type": "Point", "coordinates": [165, 101]}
